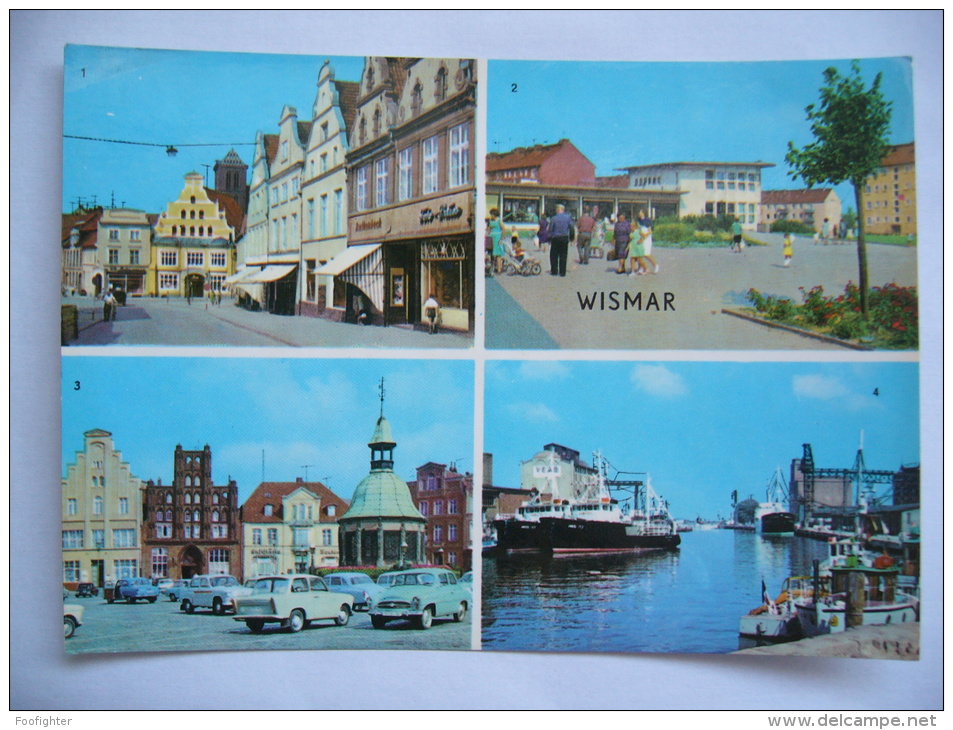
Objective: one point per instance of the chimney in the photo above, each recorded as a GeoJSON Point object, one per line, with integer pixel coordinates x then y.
{"type": "Point", "coordinates": [487, 470]}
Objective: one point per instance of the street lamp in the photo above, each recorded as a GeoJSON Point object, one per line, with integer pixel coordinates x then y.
{"type": "Point", "coordinates": [403, 546]}
{"type": "Point", "coordinates": [312, 548]}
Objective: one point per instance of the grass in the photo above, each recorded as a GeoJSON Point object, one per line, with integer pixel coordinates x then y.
{"type": "Point", "coordinates": [891, 240]}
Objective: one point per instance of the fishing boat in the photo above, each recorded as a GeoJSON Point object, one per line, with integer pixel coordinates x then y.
{"type": "Point", "coordinates": [573, 511]}
{"type": "Point", "coordinates": [771, 517]}
{"type": "Point", "coordinates": [860, 595]}
{"type": "Point", "coordinates": [775, 621]}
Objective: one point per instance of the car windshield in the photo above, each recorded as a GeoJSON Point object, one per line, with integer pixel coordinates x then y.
{"type": "Point", "coordinates": [271, 585]}
{"type": "Point", "coordinates": [414, 579]}
{"type": "Point", "coordinates": [224, 580]}
{"type": "Point", "coordinates": [360, 579]}
{"type": "Point", "coordinates": [386, 580]}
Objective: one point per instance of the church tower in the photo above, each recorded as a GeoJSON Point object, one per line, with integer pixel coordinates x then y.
{"type": "Point", "coordinates": [231, 175]}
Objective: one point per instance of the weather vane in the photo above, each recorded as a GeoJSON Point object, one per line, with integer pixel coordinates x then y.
{"type": "Point", "coordinates": [381, 389]}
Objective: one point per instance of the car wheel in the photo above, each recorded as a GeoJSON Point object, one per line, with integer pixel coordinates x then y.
{"type": "Point", "coordinates": [425, 620]}
{"type": "Point", "coordinates": [131, 599]}
{"type": "Point", "coordinates": [344, 615]}
{"type": "Point", "coordinates": [109, 600]}
{"type": "Point", "coordinates": [187, 606]}
{"type": "Point", "coordinates": [296, 621]}
{"type": "Point", "coordinates": [153, 599]}
{"type": "Point", "coordinates": [461, 614]}
{"type": "Point", "coordinates": [172, 597]}
{"type": "Point", "coordinates": [378, 622]}
{"type": "Point", "coordinates": [255, 625]}
{"type": "Point", "coordinates": [217, 608]}
{"type": "Point", "coordinates": [69, 626]}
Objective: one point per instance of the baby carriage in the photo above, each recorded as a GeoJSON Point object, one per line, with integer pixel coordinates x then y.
{"type": "Point", "coordinates": [523, 265]}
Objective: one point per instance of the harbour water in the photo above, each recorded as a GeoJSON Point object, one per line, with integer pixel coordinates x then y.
{"type": "Point", "coordinates": [685, 601]}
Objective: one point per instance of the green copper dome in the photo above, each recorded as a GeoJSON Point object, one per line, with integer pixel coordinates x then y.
{"type": "Point", "coordinates": [382, 434]}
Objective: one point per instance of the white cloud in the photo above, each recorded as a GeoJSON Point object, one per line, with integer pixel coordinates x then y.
{"type": "Point", "coordinates": [543, 370]}
{"type": "Point", "coordinates": [533, 412]}
{"type": "Point", "coordinates": [819, 387]}
{"type": "Point", "coordinates": [659, 381]}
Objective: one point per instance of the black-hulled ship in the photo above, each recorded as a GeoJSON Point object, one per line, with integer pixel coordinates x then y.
{"type": "Point", "coordinates": [771, 517]}
{"type": "Point", "coordinates": [572, 510]}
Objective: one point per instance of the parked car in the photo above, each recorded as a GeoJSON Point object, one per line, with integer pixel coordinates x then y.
{"type": "Point", "coordinates": [134, 589]}
{"type": "Point", "coordinates": [358, 585]}
{"type": "Point", "coordinates": [174, 591]}
{"type": "Point", "coordinates": [467, 580]}
{"type": "Point", "coordinates": [217, 592]}
{"type": "Point", "coordinates": [72, 618]}
{"type": "Point", "coordinates": [387, 579]}
{"type": "Point", "coordinates": [164, 584]}
{"type": "Point", "coordinates": [292, 601]}
{"type": "Point", "coordinates": [421, 595]}
{"type": "Point", "coordinates": [86, 590]}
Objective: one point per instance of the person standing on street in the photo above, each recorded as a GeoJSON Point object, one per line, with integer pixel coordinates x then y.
{"type": "Point", "coordinates": [620, 236]}
{"type": "Point", "coordinates": [560, 229]}
{"type": "Point", "coordinates": [584, 229]}
{"type": "Point", "coordinates": [542, 235]}
{"type": "Point", "coordinates": [737, 241]}
{"type": "Point", "coordinates": [109, 306]}
{"type": "Point", "coordinates": [431, 308]}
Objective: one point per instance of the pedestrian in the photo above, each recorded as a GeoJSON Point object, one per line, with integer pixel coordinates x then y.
{"type": "Point", "coordinates": [637, 256]}
{"type": "Point", "coordinates": [431, 309]}
{"type": "Point", "coordinates": [621, 233]}
{"type": "Point", "coordinates": [495, 227]}
{"type": "Point", "coordinates": [737, 245]}
{"type": "Point", "coordinates": [645, 238]}
{"type": "Point", "coordinates": [584, 229]}
{"type": "Point", "coordinates": [542, 235]}
{"type": "Point", "coordinates": [825, 231]}
{"type": "Point", "coordinates": [598, 235]}
{"type": "Point", "coordinates": [560, 231]}
{"type": "Point", "coordinates": [788, 248]}
{"type": "Point", "coordinates": [109, 306]}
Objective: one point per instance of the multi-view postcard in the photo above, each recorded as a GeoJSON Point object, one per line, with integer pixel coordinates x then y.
{"type": "Point", "coordinates": [708, 206]}
{"type": "Point", "coordinates": [331, 203]}
{"type": "Point", "coordinates": [289, 498]}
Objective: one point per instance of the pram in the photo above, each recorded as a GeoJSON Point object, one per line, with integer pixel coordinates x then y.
{"type": "Point", "coordinates": [513, 265]}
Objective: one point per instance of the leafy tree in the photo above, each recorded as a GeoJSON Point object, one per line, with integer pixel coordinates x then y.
{"type": "Point", "coordinates": [849, 218]}
{"type": "Point", "coordinates": [850, 127]}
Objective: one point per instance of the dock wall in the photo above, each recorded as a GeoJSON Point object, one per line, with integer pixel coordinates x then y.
{"type": "Point", "coordinates": [900, 641]}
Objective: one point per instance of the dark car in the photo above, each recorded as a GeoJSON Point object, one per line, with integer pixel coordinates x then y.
{"type": "Point", "coordinates": [86, 590]}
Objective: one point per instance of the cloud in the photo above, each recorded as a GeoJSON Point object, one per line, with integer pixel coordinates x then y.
{"type": "Point", "coordinates": [544, 370]}
{"type": "Point", "coordinates": [819, 387]}
{"type": "Point", "coordinates": [659, 381]}
{"type": "Point", "coordinates": [534, 412]}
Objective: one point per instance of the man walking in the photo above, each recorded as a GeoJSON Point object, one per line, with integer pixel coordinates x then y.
{"type": "Point", "coordinates": [560, 227]}
{"type": "Point", "coordinates": [584, 228]}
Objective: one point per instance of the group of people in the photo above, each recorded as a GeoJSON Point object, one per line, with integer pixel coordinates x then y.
{"type": "Point", "coordinates": [589, 234]}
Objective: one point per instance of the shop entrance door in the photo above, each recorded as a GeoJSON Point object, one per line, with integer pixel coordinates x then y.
{"type": "Point", "coordinates": [402, 299]}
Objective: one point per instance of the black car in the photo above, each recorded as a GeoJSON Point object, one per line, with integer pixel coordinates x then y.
{"type": "Point", "coordinates": [86, 590]}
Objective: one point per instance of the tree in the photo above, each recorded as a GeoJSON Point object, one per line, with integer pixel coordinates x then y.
{"type": "Point", "coordinates": [849, 218]}
{"type": "Point", "coordinates": [850, 128]}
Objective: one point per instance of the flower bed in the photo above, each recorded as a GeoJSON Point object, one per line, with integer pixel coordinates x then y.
{"type": "Point", "coordinates": [893, 322]}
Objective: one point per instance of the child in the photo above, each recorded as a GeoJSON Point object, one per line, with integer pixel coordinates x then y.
{"type": "Point", "coordinates": [788, 248]}
{"type": "Point", "coordinates": [518, 252]}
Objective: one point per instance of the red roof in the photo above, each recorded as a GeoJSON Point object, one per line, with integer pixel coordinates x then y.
{"type": "Point", "coordinates": [273, 492]}
{"type": "Point", "coordinates": [521, 157]}
{"type": "Point", "coordinates": [348, 92]}
{"type": "Point", "coordinates": [271, 148]}
{"type": "Point", "coordinates": [233, 211]}
{"type": "Point", "coordinates": [613, 181]}
{"type": "Point", "coordinates": [901, 154]}
{"type": "Point", "coordinates": [793, 197]}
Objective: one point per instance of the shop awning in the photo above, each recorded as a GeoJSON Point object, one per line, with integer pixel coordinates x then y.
{"type": "Point", "coordinates": [271, 273]}
{"type": "Point", "coordinates": [242, 274]}
{"type": "Point", "coordinates": [362, 266]}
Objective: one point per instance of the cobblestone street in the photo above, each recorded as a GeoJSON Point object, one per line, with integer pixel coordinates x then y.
{"type": "Point", "coordinates": [149, 321]}
{"type": "Point", "coordinates": [161, 626]}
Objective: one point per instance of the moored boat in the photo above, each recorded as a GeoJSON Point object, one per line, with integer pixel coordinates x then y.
{"type": "Point", "coordinates": [771, 517]}
{"type": "Point", "coordinates": [775, 621]}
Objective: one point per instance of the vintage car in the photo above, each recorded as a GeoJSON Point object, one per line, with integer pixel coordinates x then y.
{"type": "Point", "coordinates": [467, 580]}
{"type": "Point", "coordinates": [358, 585]}
{"type": "Point", "coordinates": [387, 579]}
{"type": "Point", "coordinates": [217, 592]}
{"type": "Point", "coordinates": [133, 589]}
{"type": "Point", "coordinates": [72, 617]}
{"type": "Point", "coordinates": [174, 592]}
{"type": "Point", "coordinates": [164, 584]}
{"type": "Point", "coordinates": [86, 590]}
{"type": "Point", "coordinates": [292, 601]}
{"type": "Point", "coordinates": [421, 595]}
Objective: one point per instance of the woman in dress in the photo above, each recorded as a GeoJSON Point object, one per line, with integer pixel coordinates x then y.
{"type": "Point", "coordinates": [621, 233]}
{"type": "Point", "coordinates": [542, 235]}
{"type": "Point", "coordinates": [495, 227]}
{"type": "Point", "coordinates": [645, 234]}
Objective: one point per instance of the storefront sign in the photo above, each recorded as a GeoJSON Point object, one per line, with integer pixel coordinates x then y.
{"type": "Point", "coordinates": [267, 552]}
{"type": "Point", "coordinates": [369, 224]}
{"type": "Point", "coordinates": [444, 215]}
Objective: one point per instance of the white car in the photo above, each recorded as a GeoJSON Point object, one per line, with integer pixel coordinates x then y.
{"type": "Point", "coordinates": [217, 592]}
{"type": "Point", "coordinates": [292, 601]}
{"type": "Point", "coordinates": [72, 617]}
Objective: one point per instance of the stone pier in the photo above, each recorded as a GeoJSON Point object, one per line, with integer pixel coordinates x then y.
{"type": "Point", "coordinates": [899, 641]}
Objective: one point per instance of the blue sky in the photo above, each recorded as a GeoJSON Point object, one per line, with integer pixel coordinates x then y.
{"type": "Point", "coordinates": [299, 411]}
{"type": "Point", "coordinates": [178, 98]}
{"type": "Point", "coordinates": [625, 114]}
{"type": "Point", "coordinates": [702, 430]}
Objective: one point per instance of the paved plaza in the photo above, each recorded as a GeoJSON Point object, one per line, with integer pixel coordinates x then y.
{"type": "Point", "coordinates": [681, 306]}
{"type": "Point", "coordinates": [161, 626]}
{"type": "Point", "coordinates": [173, 321]}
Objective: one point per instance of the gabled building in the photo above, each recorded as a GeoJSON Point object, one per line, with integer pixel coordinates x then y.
{"type": "Point", "coordinates": [80, 271]}
{"type": "Point", "coordinates": [890, 194]}
{"type": "Point", "coordinates": [290, 527]}
{"type": "Point", "coordinates": [411, 192]}
{"type": "Point", "coordinates": [707, 188]}
{"type": "Point", "coordinates": [811, 207]}
{"type": "Point", "coordinates": [445, 498]}
{"type": "Point", "coordinates": [191, 527]}
{"type": "Point", "coordinates": [102, 517]}
{"type": "Point", "coordinates": [324, 197]}
{"type": "Point", "coordinates": [194, 242]}
{"type": "Point", "coordinates": [548, 164]}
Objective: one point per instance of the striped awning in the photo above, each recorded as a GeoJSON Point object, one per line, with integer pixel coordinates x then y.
{"type": "Point", "coordinates": [362, 266]}
{"type": "Point", "coordinates": [271, 273]}
{"type": "Point", "coordinates": [242, 274]}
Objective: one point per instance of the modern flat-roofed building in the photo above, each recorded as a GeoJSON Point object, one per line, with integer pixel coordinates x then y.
{"type": "Point", "coordinates": [811, 206]}
{"type": "Point", "coordinates": [890, 194]}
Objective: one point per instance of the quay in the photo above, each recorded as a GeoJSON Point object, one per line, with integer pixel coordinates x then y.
{"type": "Point", "coordinates": [896, 641]}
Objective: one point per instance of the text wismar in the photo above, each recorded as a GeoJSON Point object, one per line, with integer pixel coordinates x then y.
{"type": "Point", "coordinates": [616, 300]}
